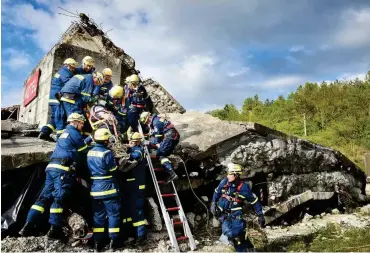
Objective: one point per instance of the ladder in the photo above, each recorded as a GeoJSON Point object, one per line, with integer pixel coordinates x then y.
{"type": "Point", "coordinates": [170, 223]}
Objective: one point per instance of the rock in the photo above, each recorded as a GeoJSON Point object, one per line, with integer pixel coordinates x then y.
{"type": "Point", "coordinates": [335, 211]}
{"type": "Point", "coordinates": [154, 215]}
{"type": "Point", "coordinates": [316, 217]}
{"type": "Point", "coordinates": [215, 222]}
{"type": "Point", "coordinates": [191, 219]}
{"type": "Point", "coordinates": [78, 225]}
{"type": "Point", "coordinates": [198, 218]}
{"type": "Point", "coordinates": [306, 217]}
{"type": "Point", "coordinates": [204, 198]}
{"type": "Point", "coordinates": [322, 214]}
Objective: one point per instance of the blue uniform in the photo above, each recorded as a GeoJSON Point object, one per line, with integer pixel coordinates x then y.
{"type": "Point", "coordinates": [57, 83]}
{"type": "Point", "coordinates": [230, 198]}
{"type": "Point", "coordinates": [103, 90]}
{"type": "Point", "coordinates": [105, 193]}
{"type": "Point", "coordinates": [80, 70]}
{"type": "Point", "coordinates": [136, 100]}
{"type": "Point", "coordinates": [60, 177]}
{"type": "Point", "coordinates": [167, 136]}
{"type": "Point", "coordinates": [119, 111]}
{"type": "Point", "coordinates": [75, 94]}
{"type": "Point", "coordinates": [135, 186]}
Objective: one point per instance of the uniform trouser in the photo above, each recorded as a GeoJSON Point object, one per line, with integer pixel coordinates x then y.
{"type": "Point", "coordinates": [50, 127]}
{"type": "Point", "coordinates": [166, 147]}
{"type": "Point", "coordinates": [133, 116]}
{"type": "Point", "coordinates": [62, 112]}
{"type": "Point", "coordinates": [234, 227]}
{"type": "Point", "coordinates": [134, 199]}
{"type": "Point", "coordinates": [58, 185]}
{"type": "Point", "coordinates": [103, 208]}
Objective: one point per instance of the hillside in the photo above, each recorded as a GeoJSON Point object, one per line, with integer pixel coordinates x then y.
{"type": "Point", "coordinates": [333, 114]}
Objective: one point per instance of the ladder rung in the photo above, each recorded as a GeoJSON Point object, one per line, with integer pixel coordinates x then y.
{"type": "Point", "coordinates": [160, 182]}
{"type": "Point", "coordinates": [178, 222]}
{"type": "Point", "coordinates": [181, 238]}
{"type": "Point", "coordinates": [158, 169]}
{"type": "Point", "coordinates": [173, 208]}
{"type": "Point", "coordinates": [168, 195]}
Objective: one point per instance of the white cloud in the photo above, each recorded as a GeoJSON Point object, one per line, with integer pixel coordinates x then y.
{"type": "Point", "coordinates": [355, 30]}
{"type": "Point", "coordinates": [16, 59]}
{"type": "Point", "coordinates": [284, 81]}
{"type": "Point", "coordinates": [239, 72]}
{"type": "Point", "coordinates": [297, 48]}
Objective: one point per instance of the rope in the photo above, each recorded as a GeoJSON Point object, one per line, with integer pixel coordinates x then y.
{"type": "Point", "coordinates": [199, 200]}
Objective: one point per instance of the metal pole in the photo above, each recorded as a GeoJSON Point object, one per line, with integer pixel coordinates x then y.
{"type": "Point", "coordinates": [304, 124]}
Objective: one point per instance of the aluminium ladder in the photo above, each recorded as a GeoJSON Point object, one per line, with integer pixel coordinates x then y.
{"type": "Point", "coordinates": [170, 224]}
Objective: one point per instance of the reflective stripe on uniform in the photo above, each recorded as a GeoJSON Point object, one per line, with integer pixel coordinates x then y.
{"type": "Point", "coordinates": [97, 153]}
{"type": "Point", "coordinates": [71, 101]}
{"type": "Point", "coordinates": [158, 135]}
{"type": "Point", "coordinates": [57, 75]}
{"type": "Point", "coordinates": [255, 201]}
{"type": "Point", "coordinates": [103, 193]}
{"type": "Point", "coordinates": [56, 210]}
{"type": "Point", "coordinates": [60, 131]}
{"type": "Point", "coordinates": [80, 77]}
{"type": "Point", "coordinates": [239, 195]}
{"type": "Point", "coordinates": [53, 101]}
{"type": "Point", "coordinates": [130, 179]}
{"type": "Point", "coordinates": [86, 133]}
{"type": "Point", "coordinates": [102, 177]}
{"type": "Point", "coordinates": [51, 127]}
{"type": "Point", "coordinates": [139, 223]}
{"type": "Point", "coordinates": [98, 230]}
{"type": "Point", "coordinates": [141, 187]}
{"type": "Point", "coordinates": [236, 208]}
{"type": "Point", "coordinates": [165, 160]}
{"type": "Point", "coordinates": [38, 208]}
{"type": "Point", "coordinates": [85, 94]}
{"type": "Point", "coordinates": [83, 148]}
{"type": "Point", "coordinates": [113, 230]}
{"type": "Point", "coordinates": [129, 219]}
{"type": "Point", "coordinates": [121, 113]}
{"type": "Point", "coordinates": [113, 169]}
{"type": "Point", "coordinates": [57, 166]}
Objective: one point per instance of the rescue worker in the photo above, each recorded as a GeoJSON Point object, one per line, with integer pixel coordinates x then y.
{"type": "Point", "coordinates": [135, 186]}
{"type": "Point", "coordinates": [103, 90]}
{"type": "Point", "coordinates": [166, 137]}
{"type": "Point", "coordinates": [87, 66]}
{"type": "Point", "coordinates": [116, 106]}
{"type": "Point", "coordinates": [104, 190]}
{"type": "Point", "coordinates": [60, 177]}
{"type": "Point", "coordinates": [75, 94]}
{"type": "Point", "coordinates": [64, 74]}
{"type": "Point", "coordinates": [228, 200]}
{"type": "Point", "coordinates": [137, 99]}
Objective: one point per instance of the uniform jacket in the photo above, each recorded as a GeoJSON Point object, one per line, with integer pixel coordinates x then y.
{"type": "Point", "coordinates": [57, 83]}
{"type": "Point", "coordinates": [80, 85]}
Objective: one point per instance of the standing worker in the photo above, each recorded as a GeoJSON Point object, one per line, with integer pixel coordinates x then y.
{"type": "Point", "coordinates": [166, 137]}
{"type": "Point", "coordinates": [75, 94]}
{"type": "Point", "coordinates": [60, 177]}
{"type": "Point", "coordinates": [137, 99]}
{"type": "Point", "coordinates": [104, 190]}
{"type": "Point", "coordinates": [57, 82]}
{"type": "Point", "coordinates": [103, 90]}
{"type": "Point", "coordinates": [228, 199]}
{"type": "Point", "coordinates": [116, 106]}
{"type": "Point", "coordinates": [135, 185]}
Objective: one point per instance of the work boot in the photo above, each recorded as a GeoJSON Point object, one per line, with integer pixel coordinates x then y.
{"type": "Point", "coordinates": [172, 176]}
{"type": "Point", "coordinates": [43, 136]}
{"type": "Point", "coordinates": [28, 229]}
{"type": "Point", "coordinates": [98, 247]}
{"type": "Point", "coordinates": [56, 232]}
{"type": "Point", "coordinates": [115, 244]}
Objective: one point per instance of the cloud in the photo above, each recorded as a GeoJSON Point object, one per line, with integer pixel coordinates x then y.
{"type": "Point", "coordinates": [237, 50]}
{"type": "Point", "coordinates": [284, 81]}
{"type": "Point", "coordinates": [16, 59]}
{"type": "Point", "coordinates": [355, 29]}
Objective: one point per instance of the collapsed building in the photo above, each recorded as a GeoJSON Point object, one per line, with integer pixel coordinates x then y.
{"type": "Point", "coordinates": [290, 176]}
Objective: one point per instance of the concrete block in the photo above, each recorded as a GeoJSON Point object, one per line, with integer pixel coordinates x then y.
{"type": "Point", "coordinates": [6, 126]}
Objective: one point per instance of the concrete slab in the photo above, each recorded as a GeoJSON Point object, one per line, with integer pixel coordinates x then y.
{"type": "Point", "coordinates": [6, 126]}
{"type": "Point", "coordinates": [288, 205]}
{"type": "Point", "coordinates": [18, 152]}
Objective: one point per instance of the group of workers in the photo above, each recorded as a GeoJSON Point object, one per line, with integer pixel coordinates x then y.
{"type": "Point", "coordinates": [88, 113]}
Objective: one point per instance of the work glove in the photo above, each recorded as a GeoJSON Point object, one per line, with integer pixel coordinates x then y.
{"type": "Point", "coordinates": [213, 208]}
{"type": "Point", "coordinates": [261, 221]}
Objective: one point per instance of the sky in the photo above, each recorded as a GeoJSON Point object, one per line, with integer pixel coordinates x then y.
{"type": "Point", "coordinates": [205, 53]}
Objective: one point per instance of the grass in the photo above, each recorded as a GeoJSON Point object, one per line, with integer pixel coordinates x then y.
{"type": "Point", "coordinates": [333, 239]}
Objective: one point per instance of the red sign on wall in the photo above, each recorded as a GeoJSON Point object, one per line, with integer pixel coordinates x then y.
{"type": "Point", "coordinates": [31, 88]}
